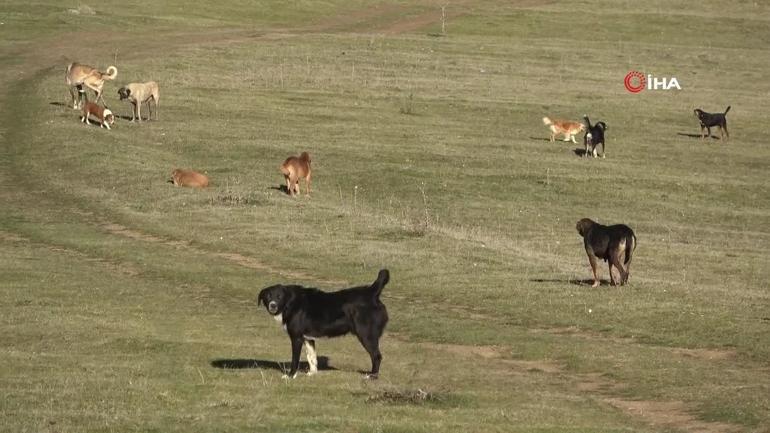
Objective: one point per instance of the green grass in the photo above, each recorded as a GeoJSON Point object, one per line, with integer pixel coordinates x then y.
{"type": "Point", "coordinates": [121, 293]}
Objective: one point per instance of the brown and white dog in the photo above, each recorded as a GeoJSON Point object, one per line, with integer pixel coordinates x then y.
{"type": "Point", "coordinates": [139, 93]}
{"type": "Point", "coordinates": [567, 128]}
{"type": "Point", "coordinates": [189, 178]}
{"type": "Point", "coordinates": [294, 169]}
{"type": "Point", "coordinates": [105, 116]}
{"type": "Point", "coordinates": [77, 76]}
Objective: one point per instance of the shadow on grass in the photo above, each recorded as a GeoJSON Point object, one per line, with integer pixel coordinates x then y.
{"type": "Point", "coordinates": [683, 134]}
{"type": "Point", "coordinates": [585, 282]}
{"type": "Point", "coordinates": [540, 139]}
{"type": "Point", "coordinates": [581, 152]}
{"type": "Point", "coordinates": [281, 188]}
{"type": "Point", "coordinates": [239, 364]}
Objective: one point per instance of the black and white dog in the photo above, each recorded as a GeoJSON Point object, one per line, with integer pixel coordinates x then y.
{"type": "Point", "coordinates": [307, 314]}
{"type": "Point", "coordinates": [594, 136]}
{"type": "Point", "coordinates": [707, 120]}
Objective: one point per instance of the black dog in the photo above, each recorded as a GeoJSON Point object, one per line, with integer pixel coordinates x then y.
{"type": "Point", "coordinates": [707, 120]}
{"type": "Point", "coordinates": [594, 136]}
{"type": "Point", "coordinates": [307, 314]}
{"type": "Point", "coordinates": [615, 244]}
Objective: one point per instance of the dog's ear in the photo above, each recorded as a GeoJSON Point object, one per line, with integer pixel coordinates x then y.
{"type": "Point", "coordinates": [262, 298]}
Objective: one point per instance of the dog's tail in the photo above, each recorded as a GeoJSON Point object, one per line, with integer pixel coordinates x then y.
{"type": "Point", "coordinates": [382, 279]}
{"type": "Point", "coordinates": [630, 247]}
{"type": "Point", "coordinates": [547, 121]}
{"type": "Point", "coordinates": [111, 74]}
{"type": "Point", "coordinates": [588, 122]}
{"type": "Point", "coordinates": [728, 109]}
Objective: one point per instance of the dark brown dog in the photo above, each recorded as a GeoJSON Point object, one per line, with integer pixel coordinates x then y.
{"type": "Point", "coordinates": [614, 244]}
{"type": "Point", "coordinates": [707, 120]}
{"type": "Point", "coordinates": [294, 169]}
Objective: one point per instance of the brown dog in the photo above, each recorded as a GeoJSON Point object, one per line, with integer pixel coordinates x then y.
{"type": "Point", "coordinates": [294, 169]}
{"type": "Point", "coordinates": [567, 128]}
{"type": "Point", "coordinates": [615, 244]}
{"type": "Point", "coordinates": [139, 93]}
{"type": "Point", "coordinates": [105, 116]}
{"type": "Point", "coordinates": [189, 178]}
{"type": "Point", "coordinates": [77, 76]}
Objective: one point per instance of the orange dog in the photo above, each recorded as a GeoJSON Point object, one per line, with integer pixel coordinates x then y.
{"type": "Point", "coordinates": [565, 127]}
{"type": "Point", "coordinates": [293, 170]}
{"type": "Point", "coordinates": [189, 178]}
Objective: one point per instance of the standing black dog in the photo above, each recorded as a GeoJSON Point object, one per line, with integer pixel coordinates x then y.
{"type": "Point", "coordinates": [594, 136]}
{"type": "Point", "coordinates": [307, 314]}
{"type": "Point", "coordinates": [615, 244]}
{"type": "Point", "coordinates": [707, 120]}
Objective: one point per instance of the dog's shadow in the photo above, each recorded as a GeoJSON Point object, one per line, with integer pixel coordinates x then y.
{"type": "Point", "coordinates": [281, 188]}
{"type": "Point", "coordinates": [239, 364]}
{"type": "Point", "coordinates": [684, 134]}
{"type": "Point", "coordinates": [581, 152]}
{"type": "Point", "coordinates": [540, 138]}
{"type": "Point", "coordinates": [584, 282]}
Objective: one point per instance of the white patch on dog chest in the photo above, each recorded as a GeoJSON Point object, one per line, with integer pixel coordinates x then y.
{"type": "Point", "coordinates": [278, 318]}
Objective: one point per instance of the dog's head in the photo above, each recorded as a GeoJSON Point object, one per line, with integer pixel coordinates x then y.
{"type": "Point", "coordinates": [109, 117]}
{"type": "Point", "coordinates": [276, 299]}
{"type": "Point", "coordinates": [124, 93]}
{"type": "Point", "coordinates": [699, 113]}
{"type": "Point", "coordinates": [602, 125]}
{"type": "Point", "coordinates": [584, 225]}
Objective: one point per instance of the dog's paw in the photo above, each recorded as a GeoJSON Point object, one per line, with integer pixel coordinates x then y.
{"type": "Point", "coordinates": [312, 373]}
{"type": "Point", "coordinates": [370, 376]}
{"type": "Point", "coordinates": [287, 377]}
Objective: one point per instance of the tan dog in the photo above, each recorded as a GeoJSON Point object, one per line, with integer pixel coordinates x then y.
{"type": "Point", "coordinates": [105, 116]}
{"type": "Point", "coordinates": [77, 76]}
{"type": "Point", "coordinates": [294, 169]}
{"type": "Point", "coordinates": [189, 178]}
{"type": "Point", "coordinates": [565, 127]}
{"type": "Point", "coordinates": [139, 93]}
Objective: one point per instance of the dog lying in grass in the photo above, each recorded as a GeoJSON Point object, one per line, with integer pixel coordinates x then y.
{"type": "Point", "coordinates": [707, 120]}
{"type": "Point", "coordinates": [189, 178]}
{"type": "Point", "coordinates": [567, 128]}
{"type": "Point", "coordinates": [594, 136]}
{"type": "Point", "coordinates": [615, 244]}
{"type": "Point", "coordinates": [294, 169]}
{"type": "Point", "coordinates": [105, 116]}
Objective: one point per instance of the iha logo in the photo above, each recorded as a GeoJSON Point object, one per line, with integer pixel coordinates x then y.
{"type": "Point", "coordinates": [636, 81]}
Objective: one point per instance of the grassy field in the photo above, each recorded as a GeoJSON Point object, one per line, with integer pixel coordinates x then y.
{"type": "Point", "coordinates": [130, 305]}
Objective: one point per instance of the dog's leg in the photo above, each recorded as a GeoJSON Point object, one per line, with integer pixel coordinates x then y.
{"type": "Point", "coordinates": [74, 100]}
{"type": "Point", "coordinates": [106, 125]}
{"type": "Point", "coordinates": [139, 110]}
{"type": "Point", "coordinates": [372, 345]}
{"type": "Point", "coordinates": [307, 184]}
{"type": "Point", "coordinates": [312, 357]}
{"type": "Point", "coordinates": [573, 139]}
{"type": "Point", "coordinates": [133, 111]}
{"type": "Point", "coordinates": [594, 269]}
{"type": "Point", "coordinates": [296, 349]}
